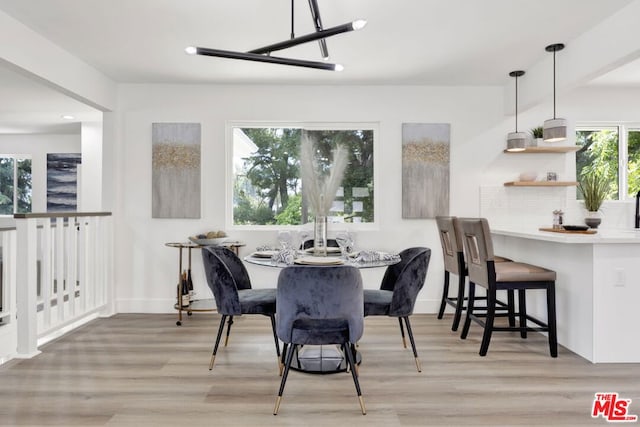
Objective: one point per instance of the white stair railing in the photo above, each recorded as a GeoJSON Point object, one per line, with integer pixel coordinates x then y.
{"type": "Point", "coordinates": [63, 268]}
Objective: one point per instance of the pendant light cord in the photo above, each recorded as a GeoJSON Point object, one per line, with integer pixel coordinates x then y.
{"type": "Point", "coordinates": [293, 36]}
{"type": "Point", "coordinates": [516, 103]}
{"type": "Point", "coordinates": [554, 84]}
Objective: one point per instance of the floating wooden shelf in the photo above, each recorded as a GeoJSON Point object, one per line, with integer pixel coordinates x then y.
{"type": "Point", "coordinates": [541, 184]}
{"type": "Point", "coordinates": [549, 149]}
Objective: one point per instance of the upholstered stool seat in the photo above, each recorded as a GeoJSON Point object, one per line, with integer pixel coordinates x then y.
{"type": "Point", "coordinates": [511, 276]}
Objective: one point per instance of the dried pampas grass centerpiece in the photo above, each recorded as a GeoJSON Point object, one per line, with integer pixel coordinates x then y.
{"type": "Point", "coordinates": [319, 188]}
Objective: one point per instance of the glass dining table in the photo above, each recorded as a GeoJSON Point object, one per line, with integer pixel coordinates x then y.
{"type": "Point", "coordinates": [326, 359]}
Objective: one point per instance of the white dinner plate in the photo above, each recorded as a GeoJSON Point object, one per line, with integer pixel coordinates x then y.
{"type": "Point", "coordinates": [264, 254]}
{"type": "Point", "coordinates": [318, 260]}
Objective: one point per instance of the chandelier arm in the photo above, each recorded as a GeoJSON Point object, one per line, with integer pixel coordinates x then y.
{"type": "Point", "coordinates": [344, 28]}
{"type": "Point", "coordinates": [247, 56]}
{"type": "Point", "coordinates": [317, 22]}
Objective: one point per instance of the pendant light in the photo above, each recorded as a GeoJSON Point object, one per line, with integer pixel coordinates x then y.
{"type": "Point", "coordinates": [554, 129]}
{"type": "Point", "coordinates": [516, 141]}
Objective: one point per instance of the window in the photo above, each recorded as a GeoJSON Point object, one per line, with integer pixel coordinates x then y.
{"type": "Point", "coordinates": [614, 152]}
{"type": "Point", "coordinates": [267, 189]}
{"type": "Point", "coordinates": [15, 184]}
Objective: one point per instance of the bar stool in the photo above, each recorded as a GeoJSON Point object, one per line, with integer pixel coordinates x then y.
{"type": "Point", "coordinates": [453, 256]}
{"type": "Point", "coordinates": [484, 271]}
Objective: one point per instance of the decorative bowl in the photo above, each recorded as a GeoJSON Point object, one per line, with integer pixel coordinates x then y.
{"type": "Point", "coordinates": [528, 176]}
{"type": "Point", "coordinates": [208, 242]}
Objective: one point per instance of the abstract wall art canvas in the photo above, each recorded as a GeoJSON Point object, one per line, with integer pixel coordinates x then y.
{"type": "Point", "coordinates": [425, 170]}
{"type": "Point", "coordinates": [176, 170]}
{"type": "Point", "coordinates": [62, 181]}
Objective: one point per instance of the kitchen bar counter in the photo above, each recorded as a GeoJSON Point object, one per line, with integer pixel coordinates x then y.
{"type": "Point", "coordinates": [597, 287]}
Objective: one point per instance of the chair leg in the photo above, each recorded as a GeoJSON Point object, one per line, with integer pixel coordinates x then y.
{"type": "Point", "coordinates": [229, 323]}
{"type": "Point", "coordinates": [459, 302]}
{"type": "Point", "coordinates": [283, 356]}
{"type": "Point", "coordinates": [488, 326]}
{"type": "Point", "coordinates": [413, 343]}
{"type": "Point", "coordinates": [551, 319]}
{"type": "Point", "coordinates": [404, 340]}
{"type": "Point", "coordinates": [445, 295]}
{"type": "Point", "coordinates": [522, 309]}
{"type": "Point", "coordinates": [275, 338]}
{"type": "Point", "coordinates": [215, 347]}
{"type": "Point", "coordinates": [287, 365]}
{"type": "Point", "coordinates": [352, 363]}
{"type": "Point", "coordinates": [511, 308]}
{"type": "Point", "coordinates": [470, 307]}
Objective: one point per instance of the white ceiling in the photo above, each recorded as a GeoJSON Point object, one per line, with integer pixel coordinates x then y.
{"type": "Point", "coordinates": [431, 42]}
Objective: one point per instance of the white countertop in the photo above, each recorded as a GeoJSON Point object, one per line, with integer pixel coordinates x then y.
{"type": "Point", "coordinates": [604, 236]}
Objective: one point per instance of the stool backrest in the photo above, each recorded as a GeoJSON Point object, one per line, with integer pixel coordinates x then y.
{"type": "Point", "coordinates": [221, 282]}
{"type": "Point", "coordinates": [451, 242]}
{"type": "Point", "coordinates": [319, 293]}
{"type": "Point", "coordinates": [478, 248]}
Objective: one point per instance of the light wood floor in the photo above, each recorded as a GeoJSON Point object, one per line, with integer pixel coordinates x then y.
{"type": "Point", "coordinates": [142, 370]}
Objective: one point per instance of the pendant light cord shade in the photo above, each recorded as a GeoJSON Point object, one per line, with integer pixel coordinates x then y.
{"type": "Point", "coordinates": [555, 129]}
{"type": "Point", "coordinates": [516, 141]}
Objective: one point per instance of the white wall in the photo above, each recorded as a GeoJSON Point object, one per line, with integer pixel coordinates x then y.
{"type": "Point", "coordinates": [90, 171]}
{"type": "Point", "coordinates": [147, 271]}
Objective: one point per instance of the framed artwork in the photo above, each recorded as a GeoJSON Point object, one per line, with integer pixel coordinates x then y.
{"type": "Point", "coordinates": [176, 170]}
{"type": "Point", "coordinates": [62, 181]}
{"type": "Point", "coordinates": [425, 170]}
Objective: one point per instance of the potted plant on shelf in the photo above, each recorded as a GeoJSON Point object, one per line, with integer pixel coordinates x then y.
{"type": "Point", "coordinates": [594, 188]}
{"type": "Point", "coordinates": [536, 134]}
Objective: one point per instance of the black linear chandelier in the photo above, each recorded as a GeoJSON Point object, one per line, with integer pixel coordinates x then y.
{"type": "Point", "coordinates": [263, 54]}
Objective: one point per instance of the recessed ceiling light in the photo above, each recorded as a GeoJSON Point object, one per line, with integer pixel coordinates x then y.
{"type": "Point", "coordinates": [67, 117]}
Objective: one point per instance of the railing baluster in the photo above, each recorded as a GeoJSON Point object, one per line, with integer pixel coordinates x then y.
{"type": "Point", "coordinates": [46, 278]}
{"type": "Point", "coordinates": [26, 283]}
{"type": "Point", "coordinates": [59, 257]}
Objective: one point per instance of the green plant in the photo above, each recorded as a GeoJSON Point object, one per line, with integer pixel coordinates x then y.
{"type": "Point", "coordinates": [536, 132]}
{"type": "Point", "coordinates": [595, 189]}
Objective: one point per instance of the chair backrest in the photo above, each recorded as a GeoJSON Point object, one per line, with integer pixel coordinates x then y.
{"type": "Point", "coordinates": [406, 279]}
{"type": "Point", "coordinates": [319, 292]}
{"type": "Point", "coordinates": [235, 266]}
{"type": "Point", "coordinates": [221, 282]}
{"type": "Point", "coordinates": [478, 248]}
{"type": "Point", "coordinates": [451, 241]}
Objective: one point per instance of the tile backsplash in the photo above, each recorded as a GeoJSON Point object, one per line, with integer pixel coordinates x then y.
{"type": "Point", "coordinates": [532, 207]}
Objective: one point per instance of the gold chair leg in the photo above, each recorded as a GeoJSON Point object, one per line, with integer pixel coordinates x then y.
{"type": "Point", "coordinates": [275, 409]}
{"type": "Point", "coordinates": [404, 342]}
{"type": "Point", "coordinates": [364, 410]}
{"type": "Point", "coordinates": [226, 340]}
{"type": "Point", "coordinates": [280, 367]}
{"type": "Point", "coordinates": [213, 358]}
{"type": "Point", "coordinates": [418, 365]}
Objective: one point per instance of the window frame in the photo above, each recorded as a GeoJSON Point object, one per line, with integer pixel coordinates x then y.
{"type": "Point", "coordinates": [310, 125]}
{"type": "Point", "coordinates": [623, 153]}
{"type": "Point", "coordinates": [16, 158]}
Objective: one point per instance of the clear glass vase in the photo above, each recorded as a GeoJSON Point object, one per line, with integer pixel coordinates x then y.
{"type": "Point", "coordinates": [320, 236]}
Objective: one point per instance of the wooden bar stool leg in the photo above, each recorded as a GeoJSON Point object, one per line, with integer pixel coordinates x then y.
{"type": "Point", "coordinates": [488, 326]}
{"type": "Point", "coordinates": [445, 295]}
{"type": "Point", "coordinates": [470, 306]}
{"type": "Point", "coordinates": [511, 308]}
{"type": "Point", "coordinates": [551, 319]}
{"type": "Point", "coordinates": [522, 310]}
{"type": "Point", "coordinates": [459, 302]}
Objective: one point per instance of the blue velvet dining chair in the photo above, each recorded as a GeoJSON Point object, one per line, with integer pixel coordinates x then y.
{"type": "Point", "coordinates": [229, 281]}
{"type": "Point", "coordinates": [398, 291]}
{"type": "Point", "coordinates": [320, 305]}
